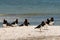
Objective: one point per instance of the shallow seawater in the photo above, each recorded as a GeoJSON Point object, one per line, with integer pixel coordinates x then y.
{"type": "Point", "coordinates": [34, 20]}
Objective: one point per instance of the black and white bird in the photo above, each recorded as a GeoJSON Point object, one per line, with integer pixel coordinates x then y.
{"type": "Point", "coordinates": [25, 23]}
{"type": "Point", "coordinates": [15, 23]}
{"type": "Point", "coordinates": [48, 22]}
{"type": "Point", "coordinates": [5, 23]}
{"type": "Point", "coordinates": [40, 25]}
{"type": "Point", "coordinates": [51, 21]}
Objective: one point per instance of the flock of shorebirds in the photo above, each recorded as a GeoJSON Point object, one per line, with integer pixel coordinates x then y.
{"type": "Point", "coordinates": [49, 21]}
{"type": "Point", "coordinates": [14, 23]}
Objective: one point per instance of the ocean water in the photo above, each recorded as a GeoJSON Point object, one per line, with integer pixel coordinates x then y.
{"type": "Point", "coordinates": [30, 6]}
{"type": "Point", "coordinates": [34, 10]}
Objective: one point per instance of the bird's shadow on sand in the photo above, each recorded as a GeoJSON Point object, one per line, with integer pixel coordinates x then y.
{"type": "Point", "coordinates": [45, 29]}
{"type": "Point", "coordinates": [40, 31]}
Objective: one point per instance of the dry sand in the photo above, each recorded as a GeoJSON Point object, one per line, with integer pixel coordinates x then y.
{"type": "Point", "coordinates": [29, 33]}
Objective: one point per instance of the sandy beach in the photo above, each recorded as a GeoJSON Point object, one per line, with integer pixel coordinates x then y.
{"type": "Point", "coordinates": [19, 18]}
{"type": "Point", "coordinates": [29, 33]}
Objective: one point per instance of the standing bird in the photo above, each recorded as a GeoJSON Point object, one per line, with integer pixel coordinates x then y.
{"type": "Point", "coordinates": [48, 21]}
{"type": "Point", "coordinates": [41, 25]}
{"type": "Point", "coordinates": [14, 24]}
{"type": "Point", "coordinates": [26, 22]}
{"type": "Point", "coordinates": [51, 21]}
{"type": "Point", "coordinates": [16, 21]}
{"type": "Point", "coordinates": [4, 23]}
